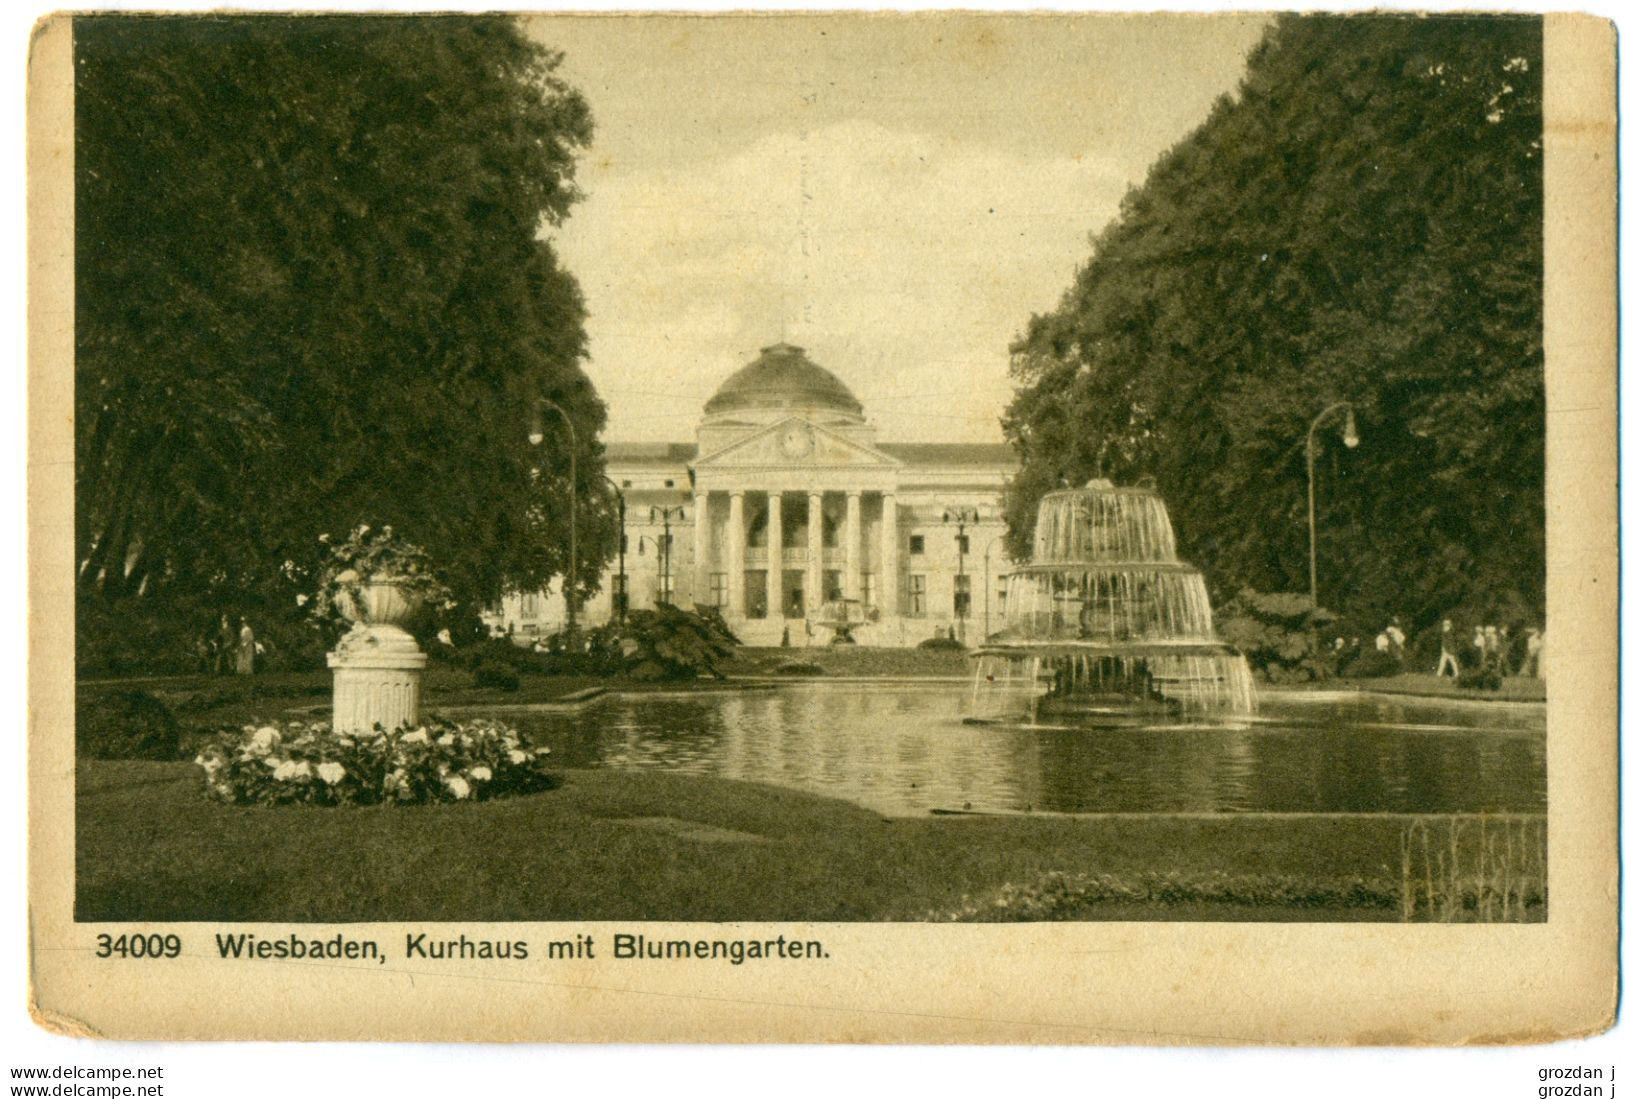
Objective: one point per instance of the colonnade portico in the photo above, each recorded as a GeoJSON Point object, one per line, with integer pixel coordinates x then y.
{"type": "Point", "coordinates": [785, 498]}
{"type": "Point", "coordinates": [854, 547]}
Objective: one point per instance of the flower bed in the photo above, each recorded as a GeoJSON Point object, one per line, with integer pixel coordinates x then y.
{"type": "Point", "coordinates": [294, 763]}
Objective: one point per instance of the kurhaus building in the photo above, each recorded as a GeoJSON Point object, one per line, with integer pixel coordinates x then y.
{"type": "Point", "coordinates": [788, 514]}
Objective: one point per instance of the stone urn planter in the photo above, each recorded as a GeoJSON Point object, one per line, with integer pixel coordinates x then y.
{"type": "Point", "coordinates": [378, 601]}
{"type": "Point", "coordinates": [377, 664]}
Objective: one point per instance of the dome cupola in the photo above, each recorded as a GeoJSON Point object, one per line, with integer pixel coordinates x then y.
{"type": "Point", "coordinates": [782, 380]}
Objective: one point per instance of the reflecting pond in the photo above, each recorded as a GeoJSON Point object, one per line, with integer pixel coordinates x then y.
{"type": "Point", "coordinates": [904, 749]}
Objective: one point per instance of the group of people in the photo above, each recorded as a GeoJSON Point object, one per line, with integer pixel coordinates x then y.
{"type": "Point", "coordinates": [1492, 648]}
{"type": "Point", "coordinates": [233, 650]}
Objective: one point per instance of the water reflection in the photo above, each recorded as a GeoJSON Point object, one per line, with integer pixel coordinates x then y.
{"type": "Point", "coordinates": [905, 750]}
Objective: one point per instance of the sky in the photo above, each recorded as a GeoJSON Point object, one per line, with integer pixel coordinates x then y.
{"type": "Point", "coordinates": [896, 194]}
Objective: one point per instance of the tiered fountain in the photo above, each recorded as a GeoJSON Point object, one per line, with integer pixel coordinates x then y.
{"type": "Point", "coordinates": [1107, 625]}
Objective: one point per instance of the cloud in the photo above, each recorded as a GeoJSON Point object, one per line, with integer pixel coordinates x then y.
{"type": "Point", "coordinates": [902, 262]}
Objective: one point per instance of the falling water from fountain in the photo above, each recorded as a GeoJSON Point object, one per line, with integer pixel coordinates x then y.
{"type": "Point", "coordinates": [1107, 624]}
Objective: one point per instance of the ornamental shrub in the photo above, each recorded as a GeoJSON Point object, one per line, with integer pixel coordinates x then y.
{"type": "Point", "coordinates": [126, 725]}
{"type": "Point", "coordinates": [799, 667]}
{"type": "Point", "coordinates": [1278, 633]}
{"type": "Point", "coordinates": [1374, 664]}
{"type": "Point", "coordinates": [496, 673]}
{"type": "Point", "coordinates": [1480, 679]}
{"type": "Point", "coordinates": [944, 644]}
{"type": "Point", "coordinates": [295, 763]}
{"type": "Point", "coordinates": [671, 643]}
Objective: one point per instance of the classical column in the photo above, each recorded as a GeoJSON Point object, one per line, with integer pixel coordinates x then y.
{"type": "Point", "coordinates": [702, 548]}
{"type": "Point", "coordinates": [736, 552]}
{"type": "Point", "coordinates": [813, 584]}
{"type": "Point", "coordinates": [775, 554]}
{"type": "Point", "coordinates": [853, 586]}
{"type": "Point", "coordinates": [888, 555]}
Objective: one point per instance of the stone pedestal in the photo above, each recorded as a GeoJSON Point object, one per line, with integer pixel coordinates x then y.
{"type": "Point", "coordinates": [375, 679]}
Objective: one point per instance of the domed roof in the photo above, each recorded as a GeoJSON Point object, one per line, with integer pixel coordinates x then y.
{"type": "Point", "coordinates": [782, 377]}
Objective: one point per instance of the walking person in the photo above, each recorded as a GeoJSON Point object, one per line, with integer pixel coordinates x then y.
{"type": "Point", "coordinates": [1447, 651]}
{"type": "Point", "coordinates": [225, 645]}
{"type": "Point", "coordinates": [1397, 636]}
{"type": "Point", "coordinates": [1492, 648]}
{"type": "Point", "coordinates": [1532, 664]}
{"type": "Point", "coordinates": [245, 649]}
{"type": "Point", "coordinates": [1396, 642]}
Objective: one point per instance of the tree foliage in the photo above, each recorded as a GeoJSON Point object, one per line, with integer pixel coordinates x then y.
{"type": "Point", "coordinates": [313, 289]}
{"type": "Point", "coordinates": [1360, 221]}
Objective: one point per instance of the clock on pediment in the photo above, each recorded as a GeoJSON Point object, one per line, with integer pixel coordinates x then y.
{"type": "Point", "coordinates": [796, 441]}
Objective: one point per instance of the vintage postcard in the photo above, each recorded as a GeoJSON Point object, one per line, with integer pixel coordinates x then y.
{"type": "Point", "coordinates": [824, 527]}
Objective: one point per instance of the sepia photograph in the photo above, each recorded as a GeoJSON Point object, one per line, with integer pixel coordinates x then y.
{"type": "Point", "coordinates": [863, 453]}
{"type": "Point", "coordinates": [722, 479]}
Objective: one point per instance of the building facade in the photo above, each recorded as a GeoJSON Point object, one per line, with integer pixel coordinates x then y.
{"type": "Point", "coordinates": [787, 513]}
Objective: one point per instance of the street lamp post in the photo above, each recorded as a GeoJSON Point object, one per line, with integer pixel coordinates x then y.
{"type": "Point", "coordinates": [536, 437]}
{"type": "Point", "coordinates": [664, 549]}
{"type": "Point", "coordinates": [621, 594]}
{"type": "Point", "coordinates": [962, 517]}
{"type": "Point", "coordinates": [1351, 439]}
{"type": "Point", "coordinates": [987, 598]}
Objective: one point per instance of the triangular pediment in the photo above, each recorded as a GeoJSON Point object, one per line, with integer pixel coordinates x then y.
{"type": "Point", "coordinates": [800, 443]}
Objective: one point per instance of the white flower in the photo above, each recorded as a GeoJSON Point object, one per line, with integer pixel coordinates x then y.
{"type": "Point", "coordinates": [362, 529]}
{"type": "Point", "coordinates": [416, 736]}
{"type": "Point", "coordinates": [286, 771]}
{"type": "Point", "coordinates": [331, 773]}
{"type": "Point", "coordinates": [446, 740]}
{"type": "Point", "coordinates": [266, 737]}
{"type": "Point", "coordinates": [480, 774]}
{"type": "Point", "coordinates": [324, 538]}
{"type": "Point", "coordinates": [459, 786]}
{"type": "Point", "coordinates": [301, 599]}
{"type": "Point", "coordinates": [395, 778]}
{"type": "Point", "coordinates": [516, 756]}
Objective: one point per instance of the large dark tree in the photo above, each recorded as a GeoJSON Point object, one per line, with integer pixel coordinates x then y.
{"type": "Point", "coordinates": [312, 291]}
{"type": "Point", "coordinates": [1360, 221]}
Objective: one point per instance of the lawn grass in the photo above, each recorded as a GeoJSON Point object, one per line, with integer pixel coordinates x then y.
{"type": "Point", "coordinates": [619, 845]}
{"type": "Point", "coordinates": [1514, 688]}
